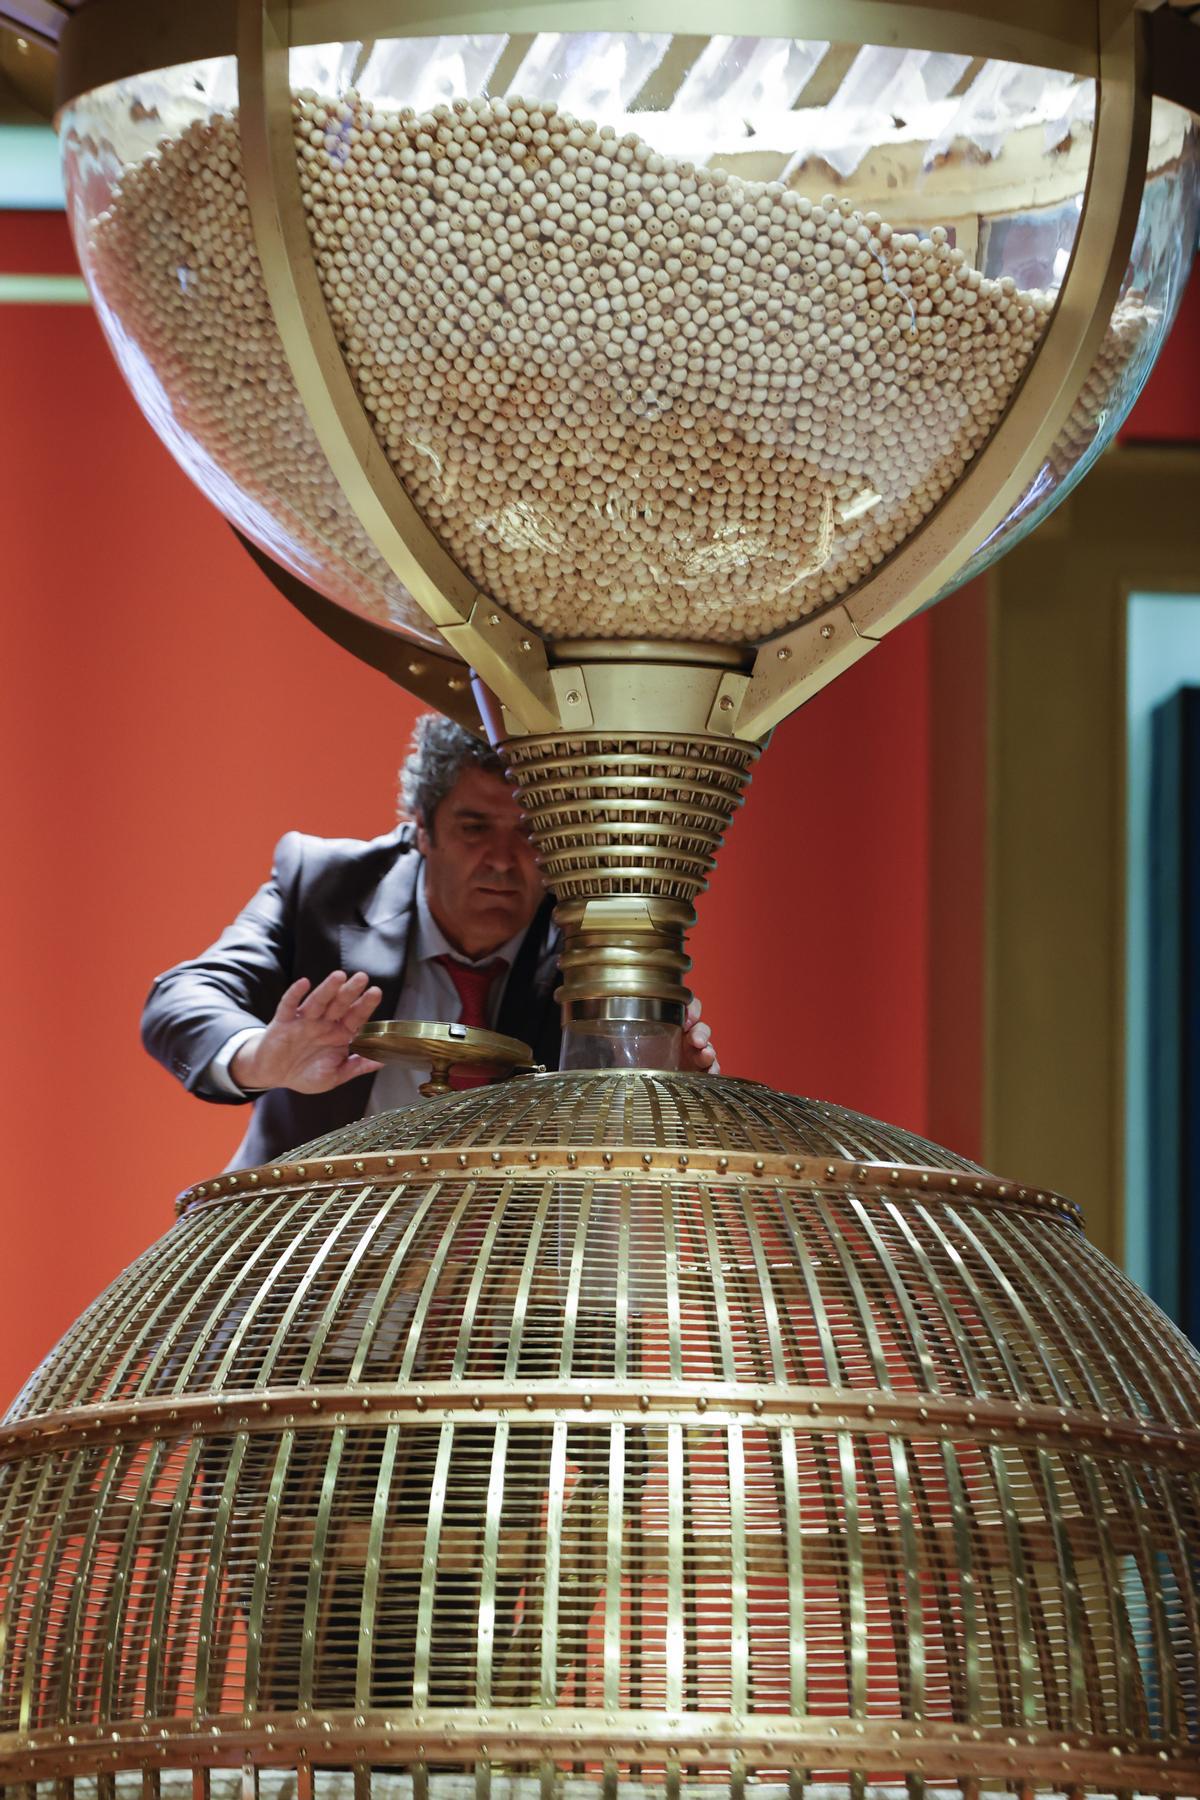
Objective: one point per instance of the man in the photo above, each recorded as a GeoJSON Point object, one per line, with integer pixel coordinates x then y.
{"type": "Point", "coordinates": [446, 917]}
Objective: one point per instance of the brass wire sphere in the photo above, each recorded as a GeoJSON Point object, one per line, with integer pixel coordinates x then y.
{"type": "Point", "coordinates": [604, 1433]}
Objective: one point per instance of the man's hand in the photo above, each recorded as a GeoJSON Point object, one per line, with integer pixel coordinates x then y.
{"type": "Point", "coordinates": [306, 1046]}
{"type": "Point", "coordinates": [699, 1057]}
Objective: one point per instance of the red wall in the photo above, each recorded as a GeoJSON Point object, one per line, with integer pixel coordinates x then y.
{"type": "Point", "coordinates": [166, 716]}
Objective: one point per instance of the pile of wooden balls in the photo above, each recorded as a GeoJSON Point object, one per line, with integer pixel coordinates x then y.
{"type": "Point", "coordinates": [174, 257]}
{"type": "Point", "coordinates": [1132, 318]}
{"type": "Point", "coordinates": [633, 397]}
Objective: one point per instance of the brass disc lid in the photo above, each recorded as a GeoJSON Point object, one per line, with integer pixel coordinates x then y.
{"type": "Point", "coordinates": [443, 1046]}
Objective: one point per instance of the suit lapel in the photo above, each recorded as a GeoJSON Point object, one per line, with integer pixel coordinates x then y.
{"type": "Point", "coordinates": [376, 940]}
{"type": "Point", "coordinates": [521, 1005]}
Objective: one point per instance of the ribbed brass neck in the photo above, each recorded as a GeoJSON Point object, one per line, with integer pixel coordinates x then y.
{"type": "Point", "coordinates": [627, 827]}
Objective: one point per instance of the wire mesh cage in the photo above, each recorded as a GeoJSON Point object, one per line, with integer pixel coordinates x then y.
{"type": "Point", "coordinates": [602, 1432]}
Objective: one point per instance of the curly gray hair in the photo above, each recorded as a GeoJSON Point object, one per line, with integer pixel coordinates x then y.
{"type": "Point", "coordinates": [440, 751]}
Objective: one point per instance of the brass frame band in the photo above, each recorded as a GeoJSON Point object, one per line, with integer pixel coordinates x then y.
{"type": "Point", "coordinates": [797, 663]}
{"type": "Point", "coordinates": [623, 1006]}
{"type": "Point", "coordinates": [477, 628]}
{"type": "Point", "coordinates": [628, 1163]}
{"type": "Point", "coordinates": [110, 39]}
{"type": "Point", "coordinates": [546, 1737]}
{"type": "Point", "coordinates": [926, 1417]}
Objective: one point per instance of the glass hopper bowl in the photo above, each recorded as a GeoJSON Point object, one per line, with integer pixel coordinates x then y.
{"type": "Point", "coordinates": [665, 336]}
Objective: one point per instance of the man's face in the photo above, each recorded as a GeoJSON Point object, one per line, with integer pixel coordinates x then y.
{"type": "Point", "coordinates": [481, 880]}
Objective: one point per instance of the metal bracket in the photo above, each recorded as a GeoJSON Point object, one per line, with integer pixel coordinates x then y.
{"type": "Point", "coordinates": [792, 668]}
{"type": "Point", "coordinates": [510, 660]}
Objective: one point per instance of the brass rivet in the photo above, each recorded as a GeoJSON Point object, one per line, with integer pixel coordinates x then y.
{"type": "Point", "coordinates": [827, 631]}
{"type": "Point", "coordinates": [701, 1403]}
{"type": "Point", "coordinates": [477, 1402]}
{"type": "Point", "coordinates": [530, 1402]}
{"type": "Point", "coordinates": [421, 1403]}
{"type": "Point", "coordinates": [726, 703]}
{"type": "Point", "coordinates": [783, 654]}
{"type": "Point", "coordinates": [587, 1403]}
{"type": "Point", "coordinates": [573, 698]}
{"type": "Point", "coordinates": [493, 618]}
{"type": "Point", "coordinates": [644, 1403]}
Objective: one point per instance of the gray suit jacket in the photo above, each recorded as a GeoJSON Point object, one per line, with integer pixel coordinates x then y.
{"type": "Point", "coordinates": [331, 903]}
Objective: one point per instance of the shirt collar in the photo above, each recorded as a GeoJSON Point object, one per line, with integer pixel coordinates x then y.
{"type": "Point", "coordinates": [430, 940]}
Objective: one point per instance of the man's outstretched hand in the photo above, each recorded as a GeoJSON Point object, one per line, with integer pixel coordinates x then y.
{"type": "Point", "coordinates": [699, 1057]}
{"type": "Point", "coordinates": [306, 1046]}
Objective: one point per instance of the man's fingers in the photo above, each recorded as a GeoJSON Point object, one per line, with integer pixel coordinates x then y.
{"type": "Point", "coordinates": [362, 1009]}
{"type": "Point", "coordinates": [317, 1004]}
{"type": "Point", "coordinates": [692, 1014]}
{"type": "Point", "coordinates": [348, 995]}
{"type": "Point", "coordinates": [289, 1002]}
{"type": "Point", "coordinates": [699, 1036]}
{"type": "Point", "coordinates": [355, 1065]}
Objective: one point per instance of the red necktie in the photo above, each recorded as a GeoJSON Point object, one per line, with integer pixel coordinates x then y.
{"type": "Point", "coordinates": [474, 985]}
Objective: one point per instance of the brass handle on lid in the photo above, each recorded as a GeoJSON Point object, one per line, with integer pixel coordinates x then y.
{"type": "Point", "coordinates": [443, 1046]}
